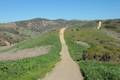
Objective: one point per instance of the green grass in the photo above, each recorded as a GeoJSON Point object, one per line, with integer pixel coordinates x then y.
{"type": "Point", "coordinates": [93, 70]}
{"type": "Point", "coordinates": [100, 45]}
{"type": "Point", "coordinates": [50, 38]}
{"type": "Point", "coordinates": [36, 67]}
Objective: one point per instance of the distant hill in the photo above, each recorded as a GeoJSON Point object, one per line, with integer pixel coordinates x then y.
{"type": "Point", "coordinates": [20, 30]}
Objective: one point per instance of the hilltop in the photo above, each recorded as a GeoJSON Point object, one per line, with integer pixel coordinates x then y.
{"type": "Point", "coordinates": [15, 32]}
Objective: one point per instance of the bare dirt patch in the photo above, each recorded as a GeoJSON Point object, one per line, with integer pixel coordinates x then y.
{"type": "Point", "coordinates": [26, 53]}
{"type": "Point", "coordinates": [83, 44]}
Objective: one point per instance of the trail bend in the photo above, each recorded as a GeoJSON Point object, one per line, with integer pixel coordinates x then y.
{"type": "Point", "coordinates": [66, 69]}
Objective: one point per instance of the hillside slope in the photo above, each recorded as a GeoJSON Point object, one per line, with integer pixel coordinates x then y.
{"type": "Point", "coordinates": [18, 31]}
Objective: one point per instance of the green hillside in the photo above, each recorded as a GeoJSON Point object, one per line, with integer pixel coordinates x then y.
{"type": "Point", "coordinates": [97, 53]}
{"type": "Point", "coordinates": [36, 67]}
{"type": "Point", "coordinates": [18, 31]}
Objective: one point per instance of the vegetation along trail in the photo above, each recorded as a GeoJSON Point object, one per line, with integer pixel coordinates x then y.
{"type": "Point", "coordinates": [66, 69]}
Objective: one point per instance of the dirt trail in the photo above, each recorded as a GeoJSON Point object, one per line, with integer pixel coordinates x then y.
{"type": "Point", "coordinates": [66, 69]}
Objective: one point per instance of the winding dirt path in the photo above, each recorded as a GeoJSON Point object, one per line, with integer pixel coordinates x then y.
{"type": "Point", "coordinates": [66, 69]}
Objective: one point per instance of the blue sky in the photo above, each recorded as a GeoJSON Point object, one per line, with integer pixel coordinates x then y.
{"type": "Point", "coordinates": [12, 10]}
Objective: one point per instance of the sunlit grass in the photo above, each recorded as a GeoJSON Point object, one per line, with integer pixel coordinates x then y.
{"type": "Point", "coordinates": [36, 67]}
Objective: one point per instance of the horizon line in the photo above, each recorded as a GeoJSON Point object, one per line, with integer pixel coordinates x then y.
{"type": "Point", "coordinates": [12, 21]}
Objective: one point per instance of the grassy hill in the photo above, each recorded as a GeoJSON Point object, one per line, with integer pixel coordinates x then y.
{"type": "Point", "coordinates": [97, 52]}
{"type": "Point", "coordinates": [20, 30]}
{"type": "Point", "coordinates": [36, 67]}
{"type": "Point", "coordinates": [113, 28]}
{"type": "Point", "coordinates": [30, 34]}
